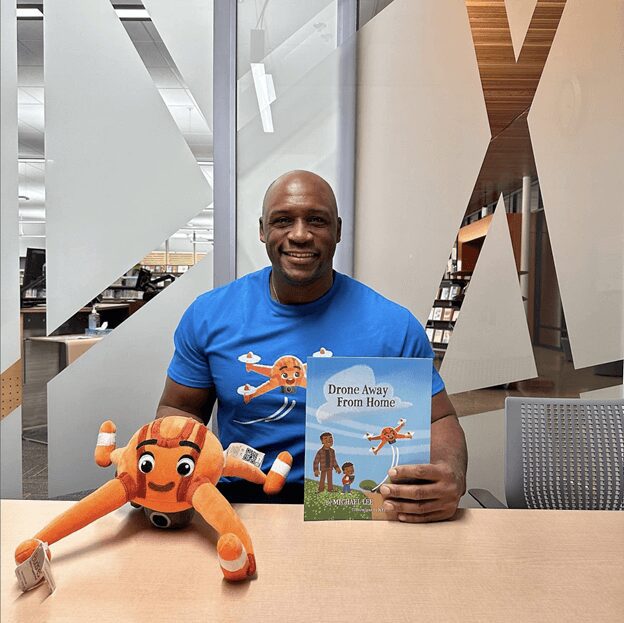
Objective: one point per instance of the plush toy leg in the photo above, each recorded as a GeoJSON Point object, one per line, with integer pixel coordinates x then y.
{"type": "Point", "coordinates": [234, 547]}
{"type": "Point", "coordinates": [278, 473]}
{"type": "Point", "coordinates": [105, 444]}
{"type": "Point", "coordinates": [104, 500]}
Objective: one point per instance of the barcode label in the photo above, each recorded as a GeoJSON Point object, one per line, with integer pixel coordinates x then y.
{"type": "Point", "coordinates": [245, 453]}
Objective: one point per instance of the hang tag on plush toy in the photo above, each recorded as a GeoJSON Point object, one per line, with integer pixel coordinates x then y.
{"type": "Point", "coordinates": [36, 569]}
{"type": "Point", "coordinates": [245, 453]}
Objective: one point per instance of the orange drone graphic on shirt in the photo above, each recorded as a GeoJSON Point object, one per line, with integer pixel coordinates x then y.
{"type": "Point", "coordinates": [287, 373]}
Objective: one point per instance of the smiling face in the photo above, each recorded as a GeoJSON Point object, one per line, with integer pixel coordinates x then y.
{"type": "Point", "coordinates": [389, 433]}
{"type": "Point", "coordinates": [166, 457]}
{"type": "Point", "coordinates": [300, 228]}
{"type": "Point", "coordinates": [289, 371]}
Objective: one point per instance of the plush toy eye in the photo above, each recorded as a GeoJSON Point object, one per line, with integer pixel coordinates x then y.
{"type": "Point", "coordinates": [185, 466]}
{"type": "Point", "coordinates": [146, 462]}
{"type": "Point", "coordinates": [284, 375]}
{"type": "Point", "coordinates": [296, 375]}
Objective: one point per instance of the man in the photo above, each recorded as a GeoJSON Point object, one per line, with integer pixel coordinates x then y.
{"type": "Point", "coordinates": [267, 323]}
{"type": "Point", "coordinates": [325, 462]}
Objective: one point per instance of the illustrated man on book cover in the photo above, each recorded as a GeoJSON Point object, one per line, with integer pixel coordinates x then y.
{"type": "Point", "coordinates": [325, 461]}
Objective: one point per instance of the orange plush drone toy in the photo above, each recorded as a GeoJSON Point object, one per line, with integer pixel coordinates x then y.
{"type": "Point", "coordinates": [170, 465]}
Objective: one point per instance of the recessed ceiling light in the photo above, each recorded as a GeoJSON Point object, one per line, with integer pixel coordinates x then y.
{"type": "Point", "coordinates": [132, 14]}
{"type": "Point", "coordinates": [29, 12]}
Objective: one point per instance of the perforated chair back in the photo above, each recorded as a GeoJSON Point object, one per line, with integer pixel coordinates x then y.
{"type": "Point", "coordinates": [564, 453]}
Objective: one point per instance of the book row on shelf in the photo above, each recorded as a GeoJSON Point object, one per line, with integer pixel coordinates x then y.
{"type": "Point", "coordinates": [446, 309]}
{"type": "Point", "coordinates": [438, 336]}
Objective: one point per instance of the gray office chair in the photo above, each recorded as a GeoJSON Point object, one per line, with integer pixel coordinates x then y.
{"type": "Point", "coordinates": [562, 454]}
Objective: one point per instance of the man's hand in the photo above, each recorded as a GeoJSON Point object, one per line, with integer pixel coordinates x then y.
{"type": "Point", "coordinates": [423, 493]}
{"type": "Point", "coordinates": [338, 470]}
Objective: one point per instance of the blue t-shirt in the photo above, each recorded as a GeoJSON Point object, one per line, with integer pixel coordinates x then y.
{"type": "Point", "coordinates": [253, 350]}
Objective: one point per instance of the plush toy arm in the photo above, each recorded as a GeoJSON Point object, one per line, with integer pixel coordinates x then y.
{"type": "Point", "coordinates": [273, 481]}
{"type": "Point", "coordinates": [243, 469]}
{"type": "Point", "coordinates": [234, 547]}
{"type": "Point", "coordinates": [102, 501]}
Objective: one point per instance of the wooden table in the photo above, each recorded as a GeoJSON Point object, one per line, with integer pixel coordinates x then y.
{"type": "Point", "coordinates": [487, 565]}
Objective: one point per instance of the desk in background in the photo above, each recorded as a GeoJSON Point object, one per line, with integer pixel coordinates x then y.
{"type": "Point", "coordinates": [70, 346]}
{"type": "Point", "coordinates": [487, 565]}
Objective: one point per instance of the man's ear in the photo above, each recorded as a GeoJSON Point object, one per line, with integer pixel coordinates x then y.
{"type": "Point", "coordinates": [261, 230]}
{"type": "Point", "coordinates": [339, 230]}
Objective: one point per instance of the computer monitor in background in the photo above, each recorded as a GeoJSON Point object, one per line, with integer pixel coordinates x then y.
{"type": "Point", "coordinates": [34, 270]}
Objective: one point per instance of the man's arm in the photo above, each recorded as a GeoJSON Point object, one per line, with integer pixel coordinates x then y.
{"type": "Point", "coordinates": [423, 493]}
{"type": "Point", "coordinates": [186, 401]}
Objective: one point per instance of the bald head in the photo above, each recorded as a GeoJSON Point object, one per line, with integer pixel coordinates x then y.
{"type": "Point", "coordinates": [300, 182]}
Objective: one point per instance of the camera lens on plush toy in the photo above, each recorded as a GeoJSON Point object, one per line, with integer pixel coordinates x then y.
{"type": "Point", "coordinates": [160, 520]}
{"type": "Point", "coordinates": [169, 520]}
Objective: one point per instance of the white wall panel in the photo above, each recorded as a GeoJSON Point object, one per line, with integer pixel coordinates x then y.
{"type": "Point", "coordinates": [186, 28]}
{"type": "Point", "coordinates": [11, 448]}
{"type": "Point", "coordinates": [120, 178]}
{"type": "Point", "coordinates": [577, 130]}
{"type": "Point", "coordinates": [519, 14]}
{"type": "Point", "coordinates": [490, 343]}
{"type": "Point", "coordinates": [11, 425]}
{"type": "Point", "coordinates": [422, 134]}
{"type": "Point", "coordinates": [9, 292]}
{"type": "Point", "coordinates": [121, 378]}
{"type": "Point", "coordinates": [606, 393]}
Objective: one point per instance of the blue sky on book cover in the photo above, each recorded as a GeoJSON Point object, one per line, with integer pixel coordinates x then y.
{"type": "Point", "coordinates": [351, 397]}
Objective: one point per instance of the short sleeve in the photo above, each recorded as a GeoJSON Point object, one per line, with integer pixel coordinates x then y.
{"type": "Point", "coordinates": [189, 365]}
{"type": "Point", "coordinates": [417, 345]}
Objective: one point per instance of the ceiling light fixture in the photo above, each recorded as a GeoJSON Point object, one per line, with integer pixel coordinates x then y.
{"type": "Point", "coordinates": [132, 14]}
{"type": "Point", "coordinates": [265, 94]}
{"type": "Point", "coordinates": [29, 12]}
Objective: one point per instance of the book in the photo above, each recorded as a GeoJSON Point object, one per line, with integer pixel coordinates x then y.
{"type": "Point", "coordinates": [454, 292]}
{"type": "Point", "coordinates": [429, 332]}
{"type": "Point", "coordinates": [447, 314]}
{"type": "Point", "coordinates": [437, 336]}
{"type": "Point", "coordinates": [364, 415]}
{"type": "Point", "coordinates": [444, 294]}
{"type": "Point", "coordinates": [437, 313]}
{"type": "Point", "coordinates": [446, 337]}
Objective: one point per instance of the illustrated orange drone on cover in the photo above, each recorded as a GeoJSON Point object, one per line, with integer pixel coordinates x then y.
{"type": "Point", "coordinates": [389, 434]}
{"type": "Point", "coordinates": [170, 465]}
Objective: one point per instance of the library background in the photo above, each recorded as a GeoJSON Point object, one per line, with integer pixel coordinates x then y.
{"type": "Point", "coordinates": [474, 148]}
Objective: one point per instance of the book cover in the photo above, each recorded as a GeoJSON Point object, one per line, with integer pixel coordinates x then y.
{"type": "Point", "coordinates": [364, 415]}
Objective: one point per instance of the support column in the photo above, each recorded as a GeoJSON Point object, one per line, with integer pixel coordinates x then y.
{"type": "Point", "coordinates": [224, 137]}
{"type": "Point", "coordinates": [525, 240]}
{"type": "Point", "coordinates": [345, 191]}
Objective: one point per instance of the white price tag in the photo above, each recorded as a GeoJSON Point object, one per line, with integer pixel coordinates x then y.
{"type": "Point", "coordinates": [35, 570]}
{"type": "Point", "coordinates": [245, 453]}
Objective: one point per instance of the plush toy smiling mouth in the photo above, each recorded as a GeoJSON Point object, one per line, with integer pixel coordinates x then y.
{"type": "Point", "coordinates": [155, 487]}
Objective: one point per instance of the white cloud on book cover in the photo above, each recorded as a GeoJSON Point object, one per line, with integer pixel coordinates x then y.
{"type": "Point", "coordinates": [356, 391]}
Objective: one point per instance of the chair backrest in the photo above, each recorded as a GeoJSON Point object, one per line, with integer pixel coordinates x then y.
{"type": "Point", "coordinates": [564, 453]}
